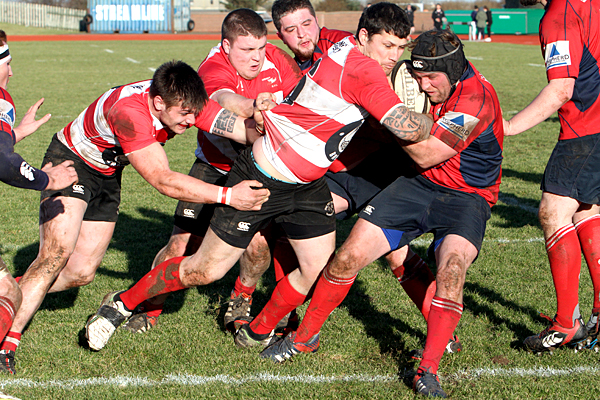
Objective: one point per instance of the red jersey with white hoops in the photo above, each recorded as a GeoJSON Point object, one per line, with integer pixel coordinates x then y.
{"type": "Point", "coordinates": [313, 125]}
{"type": "Point", "coordinates": [279, 75]}
{"type": "Point", "coordinates": [120, 122]}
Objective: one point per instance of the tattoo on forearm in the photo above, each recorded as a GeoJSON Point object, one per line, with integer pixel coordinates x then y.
{"type": "Point", "coordinates": [224, 123]}
{"type": "Point", "coordinates": [407, 125]}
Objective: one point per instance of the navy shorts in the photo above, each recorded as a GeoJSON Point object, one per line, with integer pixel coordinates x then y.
{"type": "Point", "coordinates": [102, 193]}
{"type": "Point", "coordinates": [303, 211]}
{"type": "Point", "coordinates": [359, 185]}
{"type": "Point", "coordinates": [410, 207]}
{"type": "Point", "coordinates": [572, 169]}
{"type": "Point", "coordinates": [195, 217]}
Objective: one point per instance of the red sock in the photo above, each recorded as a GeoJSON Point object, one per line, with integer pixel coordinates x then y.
{"type": "Point", "coordinates": [7, 315]}
{"type": "Point", "coordinates": [284, 258]}
{"type": "Point", "coordinates": [240, 288]}
{"type": "Point", "coordinates": [18, 278]}
{"type": "Point", "coordinates": [11, 341]}
{"type": "Point", "coordinates": [152, 309]}
{"type": "Point", "coordinates": [329, 293]}
{"type": "Point", "coordinates": [283, 300]}
{"type": "Point", "coordinates": [564, 254]}
{"type": "Point", "coordinates": [160, 280]}
{"type": "Point", "coordinates": [418, 282]}
{"type": "Point", "coordinates": [588, 231]}
{"type": "Point", "coordinates": [442, 322]}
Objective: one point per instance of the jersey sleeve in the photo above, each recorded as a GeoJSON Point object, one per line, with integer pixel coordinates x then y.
{"type": "Point", "coordinates": [365, 84]}
{"type": "Point", "coordinates": [14, 170]}
{"type": "Point", "coordinates": [132, 125]}
{"type": "Point", "coordinates": [562, 43]}
{"type": "Point", "coordinates": [207, 118]}
{"type": "Point", "coordinates": [7, 112]}
{"type": "Point", "coordinates": [217, 73]}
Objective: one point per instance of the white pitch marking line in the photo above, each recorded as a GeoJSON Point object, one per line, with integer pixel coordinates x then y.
{"type": "Point", "coordinates": [199, 380]}
{"type": "Point", "coordinates": [475, 58]}
{"type": "Point", "coordinates": [536, 65]}
{"type": "Point", "coordinates": [132, 60]}
{"type": "Point", "coordinates": [108, 51]}
{"type": "Point", "coordinates": [152, 69]}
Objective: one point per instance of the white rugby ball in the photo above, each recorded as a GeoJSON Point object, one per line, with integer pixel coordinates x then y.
{"type": "Point", "coordinates": [407, 88]}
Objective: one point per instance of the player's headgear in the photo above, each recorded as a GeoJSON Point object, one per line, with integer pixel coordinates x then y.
{"type": "Point", "coordinates": [4, 54]}
{"type": "Point", "coordinates": [439, 51]}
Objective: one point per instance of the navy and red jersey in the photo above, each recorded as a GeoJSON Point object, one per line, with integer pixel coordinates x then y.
{"type": "Point", "coordinates": [570, 39]}
{"type": "Point", "coordinates": [470, 122]}
{"type": "Point", "coordinates": [327, 38]}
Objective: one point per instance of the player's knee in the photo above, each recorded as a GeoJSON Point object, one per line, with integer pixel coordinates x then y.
{"type": "Point", "coordinates": [256, 258]}
{"type": "Point", "coordinates": [79, 279]}
{"type": "Point", "coordinates": [451, 276]}
{"type": "Point", "coordinates": [345, 264]}
{"type": "Point", "coordinates": [10, 289]}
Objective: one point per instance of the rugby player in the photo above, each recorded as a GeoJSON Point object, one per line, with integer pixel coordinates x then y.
{"type": "Point", "coordinates": [126, 125]}
{"type": "Point", "coordinates": [303, 136]}
{"type": "Point", "coordinates": [234, 73]}
{"type": "Point", "coordinates": [568, 213]}
{"type": "Point", "coordinates": [371, 162]}
{"type": "Point", "coordinates": [452, 196]}
{"type": "Point", "coordinates": [15, 171]}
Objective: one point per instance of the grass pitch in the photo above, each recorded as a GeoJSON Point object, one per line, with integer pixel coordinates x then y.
{"type": "Point", "coordinates": [365, 343]}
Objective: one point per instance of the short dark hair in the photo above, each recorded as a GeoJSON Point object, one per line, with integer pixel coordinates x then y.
{"type": "Point", "coordinates": [281, 8]}
{"type": "Point", "coordinates": [386, 17]}
{"type": "Point", "coordinates": [242, 22]}
{"type": "Point", "coordinates": [176, 82]}
{"type": "Point", "coordinates": [3, 37]}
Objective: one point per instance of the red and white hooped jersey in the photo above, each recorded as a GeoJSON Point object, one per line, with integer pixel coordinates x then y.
{"type": "Point", "coordinates": [7, 113]}
{"type": "Point", "coordinates": [120, 122]}
{"type": "Point", "coordinates": [313, 125]}
{"type": "Point", "coordinates": [279, 75]}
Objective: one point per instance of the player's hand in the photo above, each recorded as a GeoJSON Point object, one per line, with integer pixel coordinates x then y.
{"type": "Point", "coordinates": [248, 196]}
{"type": "Point", "coordinates": [61, 176]}
{"type": "Point", "coordinates": [264, 102]}
{"type": "Point", "coordinates": [28, 124]}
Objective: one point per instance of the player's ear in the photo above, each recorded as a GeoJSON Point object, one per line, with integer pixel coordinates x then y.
{"type": "Point", "coordinates": [279, 35]}
{"type": "Point", "coordinates": [226, 46]}
{"type": "Point", "coordinates": [159, 103]}
{"type": "Point", "coordinates": [363, 36]}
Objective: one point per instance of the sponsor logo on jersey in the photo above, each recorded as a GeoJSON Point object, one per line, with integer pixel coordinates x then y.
{"type": "Point", "coordinates": [459, 124]}
{"type": "Point", "coordinates": [553, 339]}
{"type": "Point", "coordinates": [27, 171]}
{"type": "Point", "coordinates": [79, 189]}
{"type": "Point", "coordinates": [188, 213]}
{"type": "Point", "coordinates": [368, 210]}
{"type": "Point", "coordinates": [243, 226]}
{"type": "Point", "coordinates": [329, 209]}
{"type": "Point", "coordinates": [271, 80]}
{"type": "Point", "coordinates": [7, 112]}
{"type": "Point", "coordinates": [338, 46]}
{"type": "Point", "coordinates": [557, 54]}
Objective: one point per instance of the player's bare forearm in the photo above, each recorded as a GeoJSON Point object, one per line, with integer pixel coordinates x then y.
{"type": "Point", "coordinates": [547, 102]}
{"type": "Point", "coordinates": [231, 126]}
{"type": "Point", "coordinates": [407, 125]}
{"type": "Point", "coordinates": [236, 103]}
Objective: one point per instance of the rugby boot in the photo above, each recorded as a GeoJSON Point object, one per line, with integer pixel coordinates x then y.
{"type": "Point", "coordinates": [556, 336]}
{"type": "Point", "coordinates": [427, 384]}
{"type": "Point", "coordinates": [286, 348]}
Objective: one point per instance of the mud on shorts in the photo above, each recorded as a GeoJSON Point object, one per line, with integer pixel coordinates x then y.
{"type": "Point", "coordinates": [572, 169]}
{"type": "Point", "coordinates": [102, 193]}
{"type": "Point", "coordinates": [303, 211]}
{"type": "Point", "coordinates": [195, 217]}
{"type": "Point", "coordinates": [410, 207]}
{"type": "Point", "coordinates": [363, 182]}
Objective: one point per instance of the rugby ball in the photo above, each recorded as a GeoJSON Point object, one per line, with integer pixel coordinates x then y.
{"type": "Point", "coordinates": [407, 88]}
